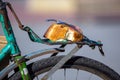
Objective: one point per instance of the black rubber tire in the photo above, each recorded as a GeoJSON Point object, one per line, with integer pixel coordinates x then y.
{"type": "Point", "coordinates": [76, 62]}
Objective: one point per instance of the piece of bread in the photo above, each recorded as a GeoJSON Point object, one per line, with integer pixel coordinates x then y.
{"type": "Point", "coordinates": [59, 32]}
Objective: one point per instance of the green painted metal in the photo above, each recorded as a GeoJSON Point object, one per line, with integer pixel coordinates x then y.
{"type": "Point", "coordinates": [5, 51]}
{"type": "Point", "coordinates": [12, 47]}
{"type": "Point", "coordinates": [23, 68]}
{"type": "Point", "coordinates": [35, 38]}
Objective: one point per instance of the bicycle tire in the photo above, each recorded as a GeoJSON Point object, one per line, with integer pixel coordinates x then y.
{"type": "Point", "coordinates": [77, 62]}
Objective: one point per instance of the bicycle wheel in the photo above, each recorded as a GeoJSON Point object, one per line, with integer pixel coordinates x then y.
{"type": "Point", "coordinates": [77, 62]}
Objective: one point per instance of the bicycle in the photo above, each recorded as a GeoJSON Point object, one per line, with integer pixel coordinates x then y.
{"type": "Point", "coordinates": [52, 63]}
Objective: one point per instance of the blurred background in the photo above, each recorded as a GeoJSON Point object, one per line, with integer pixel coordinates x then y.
{"type": "Point", "coordinates": [98, 19]}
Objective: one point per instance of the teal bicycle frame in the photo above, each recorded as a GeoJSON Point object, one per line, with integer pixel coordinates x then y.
{"type": "Point", "coordinates": [11, 48]}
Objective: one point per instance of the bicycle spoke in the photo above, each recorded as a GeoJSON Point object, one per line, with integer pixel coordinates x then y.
{"type": "Point", "coordinates": [51, 78]}
{"type": "Point", "coordinates": [77, 74]}
{"type": "Point", "coordinates": [64, 74]}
